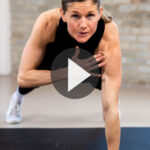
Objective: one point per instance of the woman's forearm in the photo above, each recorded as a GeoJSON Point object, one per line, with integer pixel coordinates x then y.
{"type": "Point", "coordinates": [35, 78]}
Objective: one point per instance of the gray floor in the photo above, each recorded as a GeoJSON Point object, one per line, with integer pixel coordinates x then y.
{"type": "Point", "coordinates": [44, 107]}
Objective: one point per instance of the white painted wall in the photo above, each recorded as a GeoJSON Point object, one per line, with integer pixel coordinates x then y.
{"type": "Point", "coordinates": [5, 58]}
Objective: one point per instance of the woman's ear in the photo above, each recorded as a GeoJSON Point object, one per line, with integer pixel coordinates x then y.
{"type": "Point", "coordinates": [63, 15]}
{"type": "Point", "coordinates": [100, 12]}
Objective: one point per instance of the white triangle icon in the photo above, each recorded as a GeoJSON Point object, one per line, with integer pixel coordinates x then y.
{"type": "Point", "coordinates": [76, 75]}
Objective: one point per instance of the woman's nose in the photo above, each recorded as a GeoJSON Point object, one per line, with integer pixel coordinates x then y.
{"type": "Point", "coordinates": [83, 23]}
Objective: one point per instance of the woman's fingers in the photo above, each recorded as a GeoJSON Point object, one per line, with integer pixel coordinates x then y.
{"type": "Point", "coordinates": [102, 64]}
{"type": "Point", "coordinates": [96, 61]}
{"type": "Point", "coordinates": [93, 68]}
{"type": "Point", "coordinates": [91, 63]}
{"type": "Point", "coordinates": [77, 52]}
{"type": "Point", "coordinates": [95, 75]}
{"type": "Point", "coordinates": [96, 66]}
{"type": "Point", "coordinates": [94, 57]}
{"type": "Point", "coordinates": [99, 59]}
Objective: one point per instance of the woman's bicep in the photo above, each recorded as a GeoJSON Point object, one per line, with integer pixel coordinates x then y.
{"type": "Point", "coordinates": [35, 47]}
{"type": "Point", "coordinates": [31, 56]}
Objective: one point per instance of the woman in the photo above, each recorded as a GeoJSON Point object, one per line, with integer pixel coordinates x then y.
{"type": "Point", "coordinates": [78, 23]}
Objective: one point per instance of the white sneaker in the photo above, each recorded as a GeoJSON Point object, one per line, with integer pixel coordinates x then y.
{"type": "Point", "coordinates": [13, 114]}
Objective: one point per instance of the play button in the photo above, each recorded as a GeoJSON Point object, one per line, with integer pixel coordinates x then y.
{"type": "Point", "coordinates": [76, 75]}
{"type": "Point", "coordinates": [71, 73]}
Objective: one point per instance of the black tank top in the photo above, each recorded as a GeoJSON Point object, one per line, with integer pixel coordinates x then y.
{"type": "Point", "coordinates": [63, 41]}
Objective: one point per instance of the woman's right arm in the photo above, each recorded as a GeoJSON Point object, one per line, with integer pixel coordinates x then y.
{"type": "Point", "coordinates": [42, 33]}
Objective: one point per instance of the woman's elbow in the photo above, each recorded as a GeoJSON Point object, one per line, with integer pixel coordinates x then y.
{"type": "Point", "coordinates": [21, 80]}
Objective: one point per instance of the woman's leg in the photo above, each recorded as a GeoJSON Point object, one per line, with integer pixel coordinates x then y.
{"type": "Point", "coordinates": [25, 91]}
{"type": "Point", "coordinates": [13, 114]}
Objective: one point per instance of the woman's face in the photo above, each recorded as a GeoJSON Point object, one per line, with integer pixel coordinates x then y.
{"type": "Point", "coordinates": [82, 19]}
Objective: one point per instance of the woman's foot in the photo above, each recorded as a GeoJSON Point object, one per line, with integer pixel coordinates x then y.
{"type": "Point", "coordinates": [13, 114]}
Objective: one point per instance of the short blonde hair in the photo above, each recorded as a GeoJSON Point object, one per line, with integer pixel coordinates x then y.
{"type": "Point", "coordinates": [107, 17]}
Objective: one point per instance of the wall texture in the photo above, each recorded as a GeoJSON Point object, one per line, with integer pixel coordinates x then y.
{"type": "Point", "coordinates": [132, 17]}
{"type": "Point", "coordinates": [5, 62]}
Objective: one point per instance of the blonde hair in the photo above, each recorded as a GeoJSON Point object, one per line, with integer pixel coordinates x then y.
{"type": "Point", "coordinates": [106, 16]}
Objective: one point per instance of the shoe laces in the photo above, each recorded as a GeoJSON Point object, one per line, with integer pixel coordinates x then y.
{"type": "Point", "coordinates": [15, 108]}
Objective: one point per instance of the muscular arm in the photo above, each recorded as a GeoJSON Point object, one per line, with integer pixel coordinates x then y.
{"type": "Point", "coordinates": [112, 71]}
{"type": "Point", "coordinates": [111, 82]}
{"type": "Point", "coordinates": [43, 33]}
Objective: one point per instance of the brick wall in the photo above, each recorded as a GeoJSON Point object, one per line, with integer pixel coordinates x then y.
{"type": "Point", "coordinates": [23, 15]}
{"type": "Point", "coordinates": [132, 17]}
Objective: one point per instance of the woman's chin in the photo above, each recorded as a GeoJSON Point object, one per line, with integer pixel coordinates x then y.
{"type": "Point", "coordinates": [82, 40]}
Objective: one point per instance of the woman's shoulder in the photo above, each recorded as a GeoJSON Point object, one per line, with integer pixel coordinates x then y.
{"type": "Point", "coordinates": [111, 31]}
{"type": "Point", "coordinates": [47, 23]}
{"type": "Point", "coordinates": [50, 17]}
{"type": "Point", "coordinates": [110, 37]}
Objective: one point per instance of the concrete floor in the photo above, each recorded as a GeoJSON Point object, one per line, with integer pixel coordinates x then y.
{"type": "Point", "coordinates": [45, 108]}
